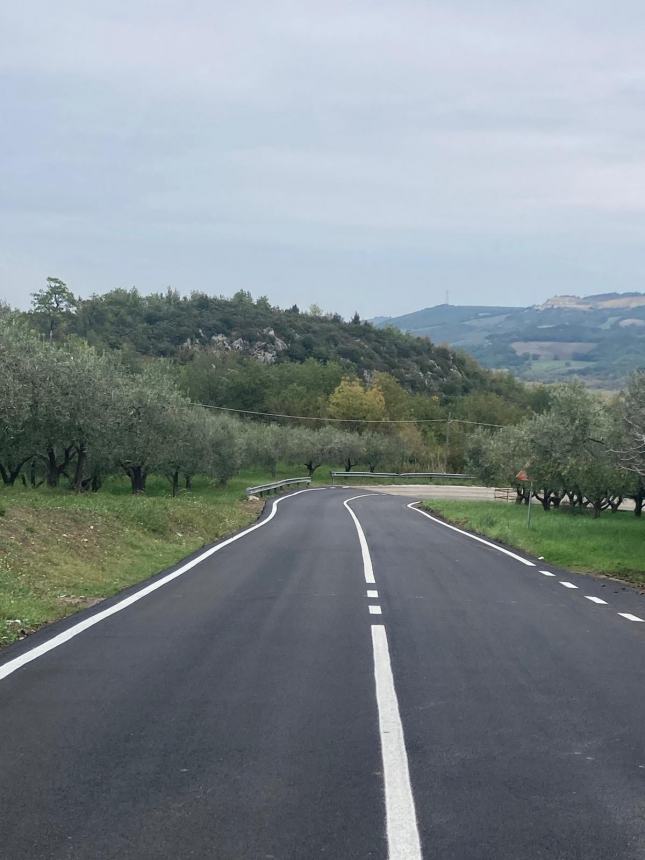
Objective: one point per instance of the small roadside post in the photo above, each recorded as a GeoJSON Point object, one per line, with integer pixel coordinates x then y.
{"type": "Point", "coordinates": [522, 476]}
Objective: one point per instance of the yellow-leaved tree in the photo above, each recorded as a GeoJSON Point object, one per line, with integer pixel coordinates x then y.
{"type": "Point", "coordinates": [352, 401]}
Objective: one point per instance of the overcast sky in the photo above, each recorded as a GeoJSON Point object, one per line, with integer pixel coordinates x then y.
{"type": "Point", "coordinates": [360, 155]}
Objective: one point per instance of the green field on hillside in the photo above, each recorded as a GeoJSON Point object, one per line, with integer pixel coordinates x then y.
{"type": "Point", "coordinates": [611, 545]}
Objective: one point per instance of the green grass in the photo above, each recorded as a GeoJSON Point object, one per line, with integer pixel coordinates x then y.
{"type": "Point", "coordinates": [60, 551]}
{"type": "Point", "coordinates": [611, 545]}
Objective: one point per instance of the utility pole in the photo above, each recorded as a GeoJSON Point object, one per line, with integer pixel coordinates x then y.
{"type": "Point", "coordinates": [447, 441]}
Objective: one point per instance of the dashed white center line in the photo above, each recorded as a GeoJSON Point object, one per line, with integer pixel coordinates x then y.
{"type": "Point", "coordinates": [630, 617]}
{"type": "Point", "coordinates": [401, 820]}
{"type": "Point", "coordinates": [372, 592]}
{"type": "Point", "coordinates": [567, 584]}
{"type": "Point", "coordinates": [595, 599]}
{"type": "Point", "coordinates": [374, 610]}
{"type": "Point", "coordinates": [547, 573]}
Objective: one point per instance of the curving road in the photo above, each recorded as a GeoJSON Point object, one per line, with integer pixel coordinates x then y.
{"type": "Point", "coordinates": [347, 679]}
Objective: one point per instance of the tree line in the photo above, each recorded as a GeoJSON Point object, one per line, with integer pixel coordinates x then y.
{"type": "Point", "coordinates": [73, 415]}
{"type": "Point", "coordinates": [582, 451]}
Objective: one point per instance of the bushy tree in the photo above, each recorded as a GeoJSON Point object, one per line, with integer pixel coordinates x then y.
{"type": "Point", "coordinates": [351, 400]}
{"type": "Point", "coordinates": [53, 306]}
{"type": "Point", "coordinates": [265, 445]}
{"type": "Point", "coordinates": [145, 415]}
{"type": "Point", "coordinates": [19, 362]}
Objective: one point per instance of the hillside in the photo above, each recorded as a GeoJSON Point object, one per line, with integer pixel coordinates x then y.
{"type": "Point", "coordinates": [167, 325]}
{"type": "Point", "coordinates": [599, 339]}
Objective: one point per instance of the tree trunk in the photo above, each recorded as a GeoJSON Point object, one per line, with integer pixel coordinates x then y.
{"type": "Point", "coordinates": [310, 467]}
{"type": "Point", "coordinates": [189, 482]}
{"type": "Point", "coordinates": [349, 465]}
{"type": "Point", "coordinates": [81, 457]}
{"type": "Point", "coordinates": [137, 477]}
{"type": "Point", "coordinates": [545, 501]}
{"type": "Point", "coordinates": [10, 473]}
{"type": "Point", "coordinates": [639, 498]}
{"type": "Point", "coordinates": [174, 481]}
{"type": "Point", "coordinates": [597, 508]}
{"type": "Point", "coordinates": [53, 468]}
{"type": "Point", "coordinates": [51, 465]}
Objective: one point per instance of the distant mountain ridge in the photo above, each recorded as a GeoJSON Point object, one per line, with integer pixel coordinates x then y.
{"type": "Point", "coordinates": [598, 338]}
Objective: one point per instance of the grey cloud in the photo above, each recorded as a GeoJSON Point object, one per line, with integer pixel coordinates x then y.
{"type": "Point", "coordinates": [363, 155]}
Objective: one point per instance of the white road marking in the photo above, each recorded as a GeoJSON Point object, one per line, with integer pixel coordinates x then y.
{"type": "Point", "coordinates": [375, 610]}
{"type": "Point", "coordinates": [595, 599]}
{"type": "Point", "coordinates": [547, 573]}
{"type": "Point", "coordinates": [472, 536]}
{"type": "Point", "coordinates": [367, 561]}
{"type": "Point", "coordinates": [12, 665]}
{"type": "Point", "coordinates": [402, 832]}
{"type": "Point", "coordinates": [567, 584]}
{"type": "Point", "coordinates": [630, 617]}
{"type": "Point", "coordinates": [372, 592]}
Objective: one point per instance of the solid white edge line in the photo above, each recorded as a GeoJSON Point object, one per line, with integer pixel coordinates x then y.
{"type": "Point", "coordinates": [11, 666]}
{"type": "Point", "coordinates": [401, 820]}
{"type": "Point", "coordinates": [375, 610]}
{"type": "Point", "coordinates": [630, 617]}
{"type": "Point", "coordinates": [596, 599]}
{"type": "Point", "coordinates": [367, 560]}
{"type": "Point", "coordinates": [525, 561]}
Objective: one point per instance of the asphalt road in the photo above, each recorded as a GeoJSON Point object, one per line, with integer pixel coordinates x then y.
{"type": "Point", "coordinates": [254, 706]}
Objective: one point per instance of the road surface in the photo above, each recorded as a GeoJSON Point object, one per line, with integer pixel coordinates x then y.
{"type": "Point", "coordinates": [272, 701]}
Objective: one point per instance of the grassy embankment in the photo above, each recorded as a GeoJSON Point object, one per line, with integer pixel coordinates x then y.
{"type": "Point", "coordinates": [611, 545]}
{"type": "Point", "coordinates": [60, 551]}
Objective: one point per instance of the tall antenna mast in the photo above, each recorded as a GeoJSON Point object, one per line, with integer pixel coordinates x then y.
{"type": "Point", "coordinates": [447, 297]}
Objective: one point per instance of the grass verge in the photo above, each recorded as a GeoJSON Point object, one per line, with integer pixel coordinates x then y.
{"type": "Point", "coordinates": [60, 552]}
{"type": "Point", "coordinates": [611, 545]}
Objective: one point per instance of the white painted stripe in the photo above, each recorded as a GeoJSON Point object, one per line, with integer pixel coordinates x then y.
{"type": "Point", "coordinates": [367, 560]}
{"type": "Point", "coordinates": [630, 617]}
{"type": "Point", "coordinates": [567, 584]}
{"type": "Point", "coordinates": [372, 592]}
{"type": "Point", "coordinates": [595, 599]}
{"type": "Point", "coordinates": [472, 536]}
{"type": "Point", "coordinates": [375, 610]}
{"type": "Point", "coordinates": [12, 665]}
{"type": "Point", "coordinates": [547, 573]}
{"type": "Point", "coordinates": [402, 833]}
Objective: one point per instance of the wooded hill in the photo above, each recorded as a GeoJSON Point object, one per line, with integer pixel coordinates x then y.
{"type": "Point", "coordinates": [182, 328]}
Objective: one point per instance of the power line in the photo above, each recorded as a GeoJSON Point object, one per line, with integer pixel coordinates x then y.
{"type": "Point", "coordinates": [347, 420]}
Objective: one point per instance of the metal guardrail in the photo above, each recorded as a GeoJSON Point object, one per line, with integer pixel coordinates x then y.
{"type": "Point", "coordinates": [399, 475]}
{"type": "Point", "coordinates": [274, 486]}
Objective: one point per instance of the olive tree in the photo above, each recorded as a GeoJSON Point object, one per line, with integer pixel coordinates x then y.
{"type": "Point", "coordinates": [266, 445]}
{"type": "Point", "coordinates": [145, 416]}
{"type": "Point", "coordinates": [19, 352]}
